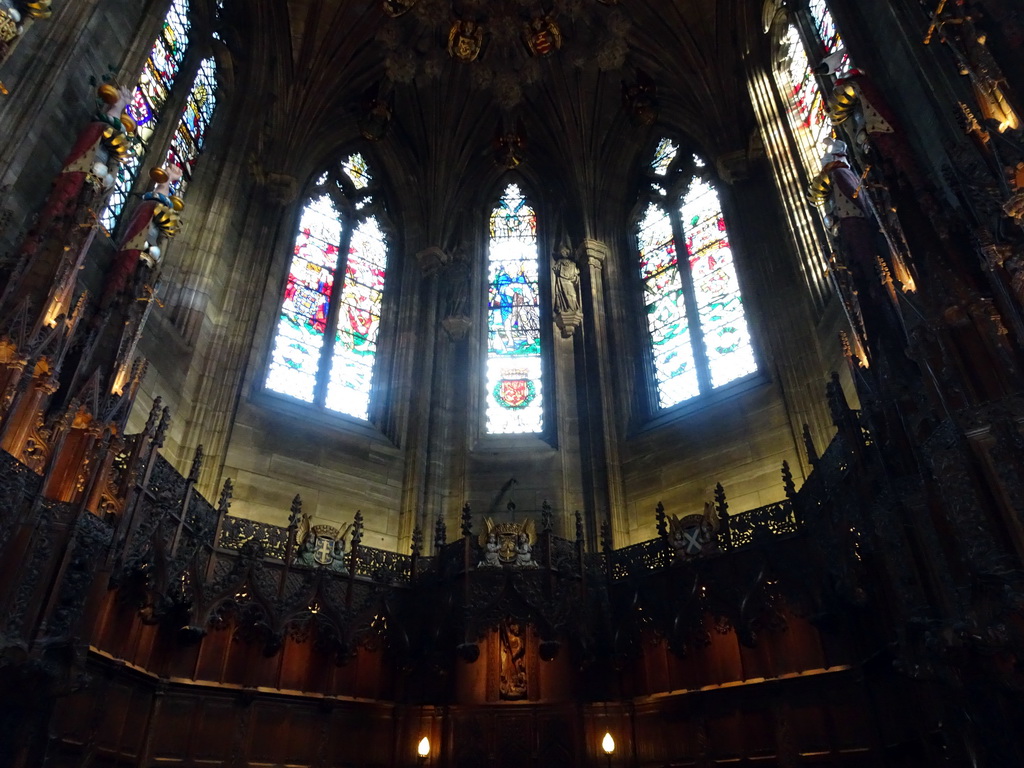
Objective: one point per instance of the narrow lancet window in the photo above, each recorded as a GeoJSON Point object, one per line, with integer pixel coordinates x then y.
{"type": "Point", "coordinates": [190, 135]}
{"type": "Point", "coordinates": [513, 380]}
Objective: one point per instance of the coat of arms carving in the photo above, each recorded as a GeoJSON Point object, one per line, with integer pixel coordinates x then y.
{"type": "Point", "coordinates": [321, 546]}
{"type": "Point", "coordinates": [693, 535]}
{"type": "Point", "coordinates": [508, 545]}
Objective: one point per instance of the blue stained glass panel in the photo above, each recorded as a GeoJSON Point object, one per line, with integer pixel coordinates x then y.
{"type": "Point", "coordinates": [513, 386]}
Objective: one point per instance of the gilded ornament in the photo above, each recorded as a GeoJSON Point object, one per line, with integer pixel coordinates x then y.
{"type": "Point", "coordinates": [129, 124]}
{"type": "Point", "coordinates": [108, 93]}
{"type": "Point", "coordinates": [166, 220]}
{"type": "Point", "coordinates": [844, 100]}
{"type": "Point", "coordinates": [508, 147]}
{"type": "Point", "coordinates": [820, 188]}
{"type": "Point", "coordinates": [177, 203]}
{"type": "Point", "coordinates": [8, 27]}
{"type": "Point", "coordinates": [465, 40]}
{"type": "Point", "coordinates": [40, 9]}
{"type": "Point", "coordinates": [542, 36]}
{"type": "Point", "coordinates": [159, 175]}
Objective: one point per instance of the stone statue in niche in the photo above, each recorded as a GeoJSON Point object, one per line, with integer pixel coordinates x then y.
{"type": "Point", "coordinates": [566, 289]}
{"type": "Point", "coordinates": [512, 642]}
{"type": "Point", "coordinates": [567, 282]}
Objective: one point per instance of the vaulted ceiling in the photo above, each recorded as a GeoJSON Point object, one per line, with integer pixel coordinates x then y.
{"type": "Point", "coordinates": [313, 64]}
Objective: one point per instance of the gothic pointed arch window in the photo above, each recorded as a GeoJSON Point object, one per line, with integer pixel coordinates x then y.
{"type": "Point", "coordinates": [151, 98]}
{"type": "Point", "coordinates": [513, 382]}
{"type": "Point", "coordinates": [696, 321]}
{"type": "Point", "coordinates": [328, 325]}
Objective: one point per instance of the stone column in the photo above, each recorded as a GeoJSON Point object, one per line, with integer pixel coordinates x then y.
{"type": "Point", "coordinates": [221, 361]}
{"type": "Point", "coordinates": [599, 431]}
{"type": "Point", "coordinates": [420, 474]}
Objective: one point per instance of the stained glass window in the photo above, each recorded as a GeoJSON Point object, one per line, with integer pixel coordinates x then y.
{"type": "Point", "coordinates": [828, 35]}
{"type": "Point", "coordinates": [805, 102]}
{"type": "Point", "coordinates": [720, 316]}
{"type": "Point", "coordinates": [148, 99]}
{"type": "Point", "coordinates": [513, 379]}
{"type": "Point", "coordinates": [663, 157]}
{"type": "Point", "coordinates": [356, 170]}
{"type": "Point", "coordinates": [190, 134]}
{"type": "Point", "coordinates": [306, 362]}
{"type": "Point", "coordinates": [695, 317]}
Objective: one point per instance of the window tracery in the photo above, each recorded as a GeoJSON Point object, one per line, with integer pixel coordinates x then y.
{"type": "Point", "coordinates": [513, 388]}
{"type": "Point", "coordinates": [695, 316]}
{"type": "Point", "coordinates": [326, 341]}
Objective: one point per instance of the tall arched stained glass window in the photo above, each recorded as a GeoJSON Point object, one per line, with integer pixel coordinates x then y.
{"type": "Point", "coordinates": [695, 315]}
{"type": "Point", "coordinates": [148, 103]}
{"type": "Point", "coordinates": [513, 381]}
{"type": "Point", "coordinates": [326, 340]}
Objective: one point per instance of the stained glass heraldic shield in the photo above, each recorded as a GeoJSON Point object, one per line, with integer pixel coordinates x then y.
{"type": "Point", "coordinates": [513, 381]}
{"type": "Point", "coordinates": [339, 233]}
{"type": "Point", "coordinates": [695, 314]}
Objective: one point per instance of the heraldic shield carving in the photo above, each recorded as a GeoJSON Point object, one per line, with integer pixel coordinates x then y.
{"type": "Point", "coordinates": [508, 545]}
{"type": "Point", "coordinates": [693, 535]}
{"type": "Point", "coordinates": [321, 546]}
